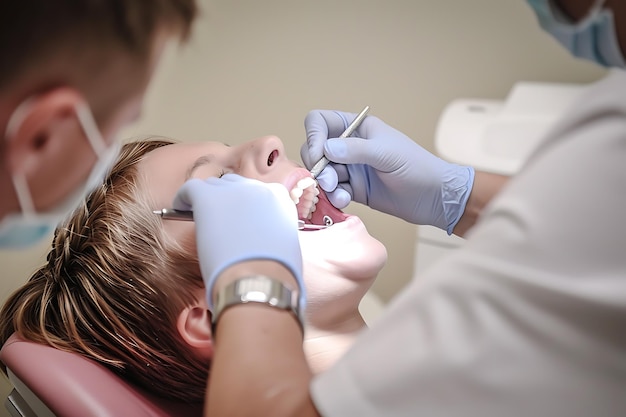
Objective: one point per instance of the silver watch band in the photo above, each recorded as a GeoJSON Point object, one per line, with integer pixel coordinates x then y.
{"type": "Point", "coordinates": [257, 289]}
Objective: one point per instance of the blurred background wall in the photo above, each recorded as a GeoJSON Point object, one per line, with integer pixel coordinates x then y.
{"type": "Point", "coordinates": [256, 67]}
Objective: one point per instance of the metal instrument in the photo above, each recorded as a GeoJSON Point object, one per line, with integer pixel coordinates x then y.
{"type": "Point", "coordinates": [321, 164]}
{"type": "Point", "coordinates": [172, 214]}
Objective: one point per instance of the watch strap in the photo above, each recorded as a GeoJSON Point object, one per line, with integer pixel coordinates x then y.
{"type": "Point", "coordinates": [259, 289]}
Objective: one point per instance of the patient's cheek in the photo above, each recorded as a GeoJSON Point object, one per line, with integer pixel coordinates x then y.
{"type": "Point", "coordinates": [182, 233]}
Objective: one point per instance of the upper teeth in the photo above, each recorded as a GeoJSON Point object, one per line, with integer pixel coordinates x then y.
{"type": "Point", "coordinates": [304, 196]}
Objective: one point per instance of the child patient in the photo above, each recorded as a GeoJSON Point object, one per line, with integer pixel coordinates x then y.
{"type": "Point", "coordinates": [122, 286]}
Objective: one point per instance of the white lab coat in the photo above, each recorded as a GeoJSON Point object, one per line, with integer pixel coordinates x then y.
{"type": "Point", "coordinates": [528, 318]}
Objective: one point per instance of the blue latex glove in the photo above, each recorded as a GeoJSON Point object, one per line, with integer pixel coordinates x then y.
{"type": "Point", "coordinates": [384, 169]}
{"type": "Point", "coordinates": [239, 219]}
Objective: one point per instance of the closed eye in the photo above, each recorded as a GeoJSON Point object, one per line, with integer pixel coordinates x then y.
{"type": "Point", "coordinates": [203, 160]}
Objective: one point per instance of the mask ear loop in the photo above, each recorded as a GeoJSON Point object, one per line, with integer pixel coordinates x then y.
{"type": "Point", "coordinates": [23, 194]}
{"type": "Point", "coordinates": [17, 118]}
{"type": "Point", "coordinates": [20, 185]}
{"type": "Point", "coordinates": [106, 154]}
{"type": "Point", "coordinates": [92, 132]}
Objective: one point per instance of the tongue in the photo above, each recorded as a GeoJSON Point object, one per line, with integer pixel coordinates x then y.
{"type": "Point", "coordinates": [324, 208]}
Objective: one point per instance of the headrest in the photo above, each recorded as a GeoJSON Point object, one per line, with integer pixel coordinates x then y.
{"type": "Point", "coordinates": [74, 386]}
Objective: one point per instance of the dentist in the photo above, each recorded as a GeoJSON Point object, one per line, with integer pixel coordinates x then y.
{"type": "Point", "coordinates": [527, 318]}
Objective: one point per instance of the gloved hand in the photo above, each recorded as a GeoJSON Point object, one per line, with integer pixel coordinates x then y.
{"type": "Point", "coordinates": [239, 219]}
{"type": "Point", "coordinates": [384, 169]}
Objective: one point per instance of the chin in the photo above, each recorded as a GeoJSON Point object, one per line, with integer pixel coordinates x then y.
{"type": "Point", "coordinates": [346, 248]}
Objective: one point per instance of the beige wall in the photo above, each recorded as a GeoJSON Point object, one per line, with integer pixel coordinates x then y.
{"type": "Point", "coordinates": [256, 67]}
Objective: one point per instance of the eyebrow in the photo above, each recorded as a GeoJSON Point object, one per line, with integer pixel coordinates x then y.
{"type": "Point", "coordinates": [203, 160]}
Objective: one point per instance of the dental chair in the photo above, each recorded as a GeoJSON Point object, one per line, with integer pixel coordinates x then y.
{"type": "Point", "coordinates": [49, 382]}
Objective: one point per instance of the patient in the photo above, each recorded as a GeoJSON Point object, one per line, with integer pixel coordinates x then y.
{"type": "Point", "coordinates": [123, 287]}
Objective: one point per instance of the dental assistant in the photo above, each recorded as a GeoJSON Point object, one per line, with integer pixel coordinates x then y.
{"type": "Point", "coordinates": [62, 99]}
{"type": "Point", "coordinates": [527, 318]}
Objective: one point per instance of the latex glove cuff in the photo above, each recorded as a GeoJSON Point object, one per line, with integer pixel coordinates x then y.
{"type": "Point", "coordinates": [455, 192]}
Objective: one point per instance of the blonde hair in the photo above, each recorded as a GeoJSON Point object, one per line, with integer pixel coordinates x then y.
{"type": "Point", "coordinates": [113, 287]}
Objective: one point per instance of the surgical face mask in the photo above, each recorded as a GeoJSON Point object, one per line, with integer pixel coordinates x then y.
{"type": "Point", "coordinates": [23, 229]}
{"type": "Point", "coordinates": [593, 38]}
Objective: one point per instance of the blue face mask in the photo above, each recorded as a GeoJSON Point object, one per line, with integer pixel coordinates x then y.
{"type": "Point", "coordinates": [593, 38]}
{"type": "Point", "coordinates": [26, 228]}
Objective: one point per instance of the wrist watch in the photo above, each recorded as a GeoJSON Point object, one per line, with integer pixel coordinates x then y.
{"type": "Point", "coordinates": [257, 289]}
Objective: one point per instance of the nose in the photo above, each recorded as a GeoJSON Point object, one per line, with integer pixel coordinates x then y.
{"type": "Point", "coordinates": [262, 157]}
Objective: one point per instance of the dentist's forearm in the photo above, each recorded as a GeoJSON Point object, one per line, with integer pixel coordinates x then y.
{"type": "Point", "coordinates": [486, 185]}
{"type": "Point", "coordinates": [259, 367]}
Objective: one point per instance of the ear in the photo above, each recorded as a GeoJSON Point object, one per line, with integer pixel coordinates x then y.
{"type": "Point", "coordinates": [48, 147]}
{"type": "Point", "coordinates": [194, 326]}
{"type": "Point", "coordinates": [40, 130]}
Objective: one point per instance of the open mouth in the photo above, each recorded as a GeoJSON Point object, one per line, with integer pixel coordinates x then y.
{"type": "Point", "coordinates": [313, 205]}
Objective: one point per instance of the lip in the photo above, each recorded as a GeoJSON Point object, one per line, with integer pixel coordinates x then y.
{"type": "Point", "coordinates": [349, 221]}
{"type": "Point", "coordinates": [293, 178]}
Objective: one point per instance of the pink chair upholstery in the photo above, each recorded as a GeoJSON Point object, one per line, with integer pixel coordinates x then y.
{"type": "Point", "coordinates": [73, 386]}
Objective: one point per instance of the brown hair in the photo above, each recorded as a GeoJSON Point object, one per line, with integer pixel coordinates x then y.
{"type": "Point", "coordinates": [113, 287]}
{"type": "Point", "coordinates": [32, 31]}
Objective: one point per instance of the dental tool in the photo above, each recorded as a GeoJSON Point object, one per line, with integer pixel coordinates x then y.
{"type": "Point", "coordinates": [322, 163]}
{"type": "Point", "coordinates": [173, 214]}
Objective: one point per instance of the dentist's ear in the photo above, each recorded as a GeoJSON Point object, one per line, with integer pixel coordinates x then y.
{"type": "Point", "coordinates": [194, 326]}
{"type": "Point", "coordinates": [45, 144]}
